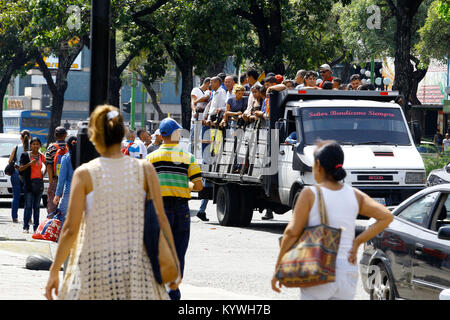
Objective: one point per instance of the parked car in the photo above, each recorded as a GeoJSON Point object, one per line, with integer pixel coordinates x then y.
{"type": "Point", "coordinates": [7, 144]}
{"type": "Point", "coordinates": [439, 176]}
{"type": "Point", "coordinates": [411, 258]}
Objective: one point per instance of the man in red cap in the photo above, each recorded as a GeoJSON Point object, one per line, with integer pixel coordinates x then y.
{"type": "Point", "coordinates": [279, 78]}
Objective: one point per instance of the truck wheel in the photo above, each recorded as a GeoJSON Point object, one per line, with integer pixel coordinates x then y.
{"type": "Point", "coordinates": [227, 200]}
{"type": "Point", "coordinates": [247, 207]}
{"type": "Point", "coordinates": [294, 200]}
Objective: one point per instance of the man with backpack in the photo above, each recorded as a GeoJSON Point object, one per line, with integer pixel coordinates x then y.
{"type": "Point", "coordinates": [53, 157]}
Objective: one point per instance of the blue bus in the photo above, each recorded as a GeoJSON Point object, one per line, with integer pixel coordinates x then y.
{"type": "Point", "coordinates": [35, 121]}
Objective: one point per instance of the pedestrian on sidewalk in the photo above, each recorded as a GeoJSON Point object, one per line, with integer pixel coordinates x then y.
{"type": "Point", "coordinates": [55, 151]}
{"type": "Point", "coordinates": [68, 162]}
{"type": "Point", "coordinates": [104, 228]}
{"type": "Point", "coordinates": [178, 174]}
{"type": "Point", "coordinates": [32, 164]}
{"type": "Point", "coordinates": [343, 203]}
{"type": "Point", "coordinates": [16, 180]}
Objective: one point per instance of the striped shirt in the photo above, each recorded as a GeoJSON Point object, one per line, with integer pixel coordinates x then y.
{"type": "Point", "coordinates": [175, 168]}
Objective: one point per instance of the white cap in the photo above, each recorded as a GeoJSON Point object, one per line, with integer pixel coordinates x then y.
{"type": "Point", "coordinates": [156, 133]}
{"type": "Point", "coordinates": [325, 66]}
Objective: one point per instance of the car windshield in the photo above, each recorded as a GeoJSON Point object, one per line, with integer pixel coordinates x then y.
{"type": "Point", "coordinates": [355, 125]}
{"type": "Point", "coordinates": [7, 145]}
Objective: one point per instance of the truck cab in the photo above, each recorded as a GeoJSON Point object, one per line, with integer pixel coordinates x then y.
{"type": "Point", "coordinates": [380, 155]}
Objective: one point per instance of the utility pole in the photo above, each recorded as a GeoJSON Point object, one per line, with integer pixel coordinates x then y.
{"type": "Point", "coordinates": [144, 95]}
{"type": "Point", "coordinates": [99, 79]}
{"type": "Point", "coordinates": [5, 100]}
{"type": "Point", "coordinates": [133, 101]}
{"type": "Point", "coordinates": [372, 70]}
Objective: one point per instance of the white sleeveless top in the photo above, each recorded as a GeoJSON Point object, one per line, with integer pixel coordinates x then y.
{"type": "Point", "coordinates": [109, 260]}
{"type": "Point", "coordinates": [342, 209]}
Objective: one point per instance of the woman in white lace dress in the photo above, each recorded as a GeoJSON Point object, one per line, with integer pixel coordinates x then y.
{"type": "Point", "coordinates": [104, 228]}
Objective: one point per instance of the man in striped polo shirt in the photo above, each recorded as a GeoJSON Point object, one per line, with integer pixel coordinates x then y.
{"type": "Point", "coordinates": [178, 174]}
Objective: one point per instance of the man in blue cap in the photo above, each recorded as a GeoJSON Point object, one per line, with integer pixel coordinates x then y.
{"type": "Point", "coordinates": [178, 174]}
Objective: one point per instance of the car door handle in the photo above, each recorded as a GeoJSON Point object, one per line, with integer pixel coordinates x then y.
{"type": "Point", "coordinates": [282, 152]}
{"type": "Point", "coordinates": [419, 248]}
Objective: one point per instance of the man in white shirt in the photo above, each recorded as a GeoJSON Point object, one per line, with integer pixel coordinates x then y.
{"type": "Point", "coordinates": [229, 84]}
{"type": "Point", "coordinates": [299, 79]}
{"type": "Point", "coordinates": [142, 138]}
{"type": "Point", "coordinates": [446, 143]}
{"type": "Point", "coordinates": [219, 101]}
{"type": "Point", "coordinates": [199, 99]}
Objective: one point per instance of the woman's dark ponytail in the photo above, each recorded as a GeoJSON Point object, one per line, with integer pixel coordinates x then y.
{"type": "Point", "coordinates": [331, 158]}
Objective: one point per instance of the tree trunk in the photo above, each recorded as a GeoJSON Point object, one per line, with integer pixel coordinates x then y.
{"type": "Point", "coordinates": [19, 60]}
{"type": "Point", "coordinates": [66, 58]}
{"type": "Point", "coordinates": [152, 93]}
{"type": "Point", "coordinates": [404, 70]}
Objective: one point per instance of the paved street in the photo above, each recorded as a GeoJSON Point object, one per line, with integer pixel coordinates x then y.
{"type": "Point", "coordinates": [222, 263]}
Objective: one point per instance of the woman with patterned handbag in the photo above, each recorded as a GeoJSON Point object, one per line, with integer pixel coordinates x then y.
{"type": "Point", "coordinates": [340, 204]}
{"type": "Point", "coordinates": [104, 227]}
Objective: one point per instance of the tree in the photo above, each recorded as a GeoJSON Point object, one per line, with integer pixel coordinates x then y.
{"type": "Point", "coordinates": [57, 31]}
{"type": "Point", "coordinates": [435, 33]}
{"type": "Point", "coordinates": [191, 37]}
{"type": "Point", "coordinates": [15, 55]}
{"type": "Point", "coordinates": [289, 35]}
{"type": "Point", "coordinates": [394, 35]}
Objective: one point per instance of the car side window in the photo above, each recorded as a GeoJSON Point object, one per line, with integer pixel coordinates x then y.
{"type": "Point", "coordinates": [419, 211]}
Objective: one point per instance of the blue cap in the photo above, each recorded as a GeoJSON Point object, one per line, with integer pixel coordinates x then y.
{"type": "Point", "coordinates": [168, 126]}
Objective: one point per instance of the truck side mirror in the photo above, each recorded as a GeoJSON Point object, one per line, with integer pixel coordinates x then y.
{"type": "Point", "coordinates": [281, 126]}
{"type": "Point", "coordinates": [297, 163]}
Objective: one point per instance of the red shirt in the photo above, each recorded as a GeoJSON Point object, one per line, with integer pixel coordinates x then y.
{"type": "Point", "coordinates": [329, 79]}
{"type": "Point", "coordinates": [36, 172]}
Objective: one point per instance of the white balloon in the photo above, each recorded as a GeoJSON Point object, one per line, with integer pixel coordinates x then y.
{"type": "Point", "coordinates": [363, 81]}
{"type": "Point", "coordinates": [367, 73]}
{"type": "Point", "coordinates": [368, 81]}
{"type": "Point", "coordinates": [378, 81]}
{"type": "Point", "coordinates": [381, 71]}
{"type": "Point", "coordinates": [318, 81]}
{"type": "Point", "coordinates": [363, 71]}
{"type": "Point", "coordinates": [386, 81]}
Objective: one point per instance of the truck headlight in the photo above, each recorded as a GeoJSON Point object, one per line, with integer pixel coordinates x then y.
{"type": "Point", "coordinates": [415, 178]}
{"type": "Point", "coordinates": [2, 174]}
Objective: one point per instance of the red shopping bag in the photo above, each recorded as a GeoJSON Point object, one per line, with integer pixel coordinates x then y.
{"type": "Point", "coordinates": [50, 228]}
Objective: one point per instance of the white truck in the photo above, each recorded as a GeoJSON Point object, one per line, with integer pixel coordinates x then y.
{"type": "Point", "coordinates": [257, 169]}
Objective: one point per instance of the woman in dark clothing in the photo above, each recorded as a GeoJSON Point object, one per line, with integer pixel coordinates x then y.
{"type": "Point", "coordinates": [15, 177]}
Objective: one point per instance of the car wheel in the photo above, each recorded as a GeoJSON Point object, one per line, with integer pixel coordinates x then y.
{"type": "Point", "coordinates": [383, 286]}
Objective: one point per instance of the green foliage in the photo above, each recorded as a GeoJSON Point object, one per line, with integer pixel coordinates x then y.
{"type": "Point", "coordinates": [438, 162]}
{"type": "Point", "coordinates": [365, 41]}
{"type": "Point", "coordinates": [435, 33]}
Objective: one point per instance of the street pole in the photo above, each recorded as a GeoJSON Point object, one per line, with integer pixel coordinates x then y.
{"type": "Point", "coordinates": [372, 70]}
{"type": "Point", "coordinates": [133, 101]}
{"type": "Point", "coordinates": [5, 100]}
{"type": "Point", "coordinates": [144, 94]}
{"type": "Point", "coordinates": [99, 77]}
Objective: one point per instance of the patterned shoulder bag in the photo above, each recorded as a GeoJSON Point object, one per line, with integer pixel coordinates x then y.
{"type": "Point", "coordinates": [312, 260]}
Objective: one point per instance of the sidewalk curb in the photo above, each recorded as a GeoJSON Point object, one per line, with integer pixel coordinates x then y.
{"type": "Point", "coordinates": [42, 247]}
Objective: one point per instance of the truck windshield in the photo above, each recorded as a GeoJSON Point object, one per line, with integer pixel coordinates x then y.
{"type": "Point", "coordinates": [355, 125]}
